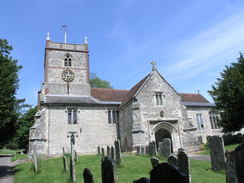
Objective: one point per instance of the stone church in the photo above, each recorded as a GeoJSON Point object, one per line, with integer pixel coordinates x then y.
{"type": "Point", "coordinates": [150, 111]}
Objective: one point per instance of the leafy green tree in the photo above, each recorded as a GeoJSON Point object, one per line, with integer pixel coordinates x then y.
{"type": "Point", "coordinates": [228, 94]}
{"type": "Point", "coordinates": [9, 105]}
{"type": "Point", "coordinates": [96, 82]}
{"type": "Point", "coordinates": [23, 125]}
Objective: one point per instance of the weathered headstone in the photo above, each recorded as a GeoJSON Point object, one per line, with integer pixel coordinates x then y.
{"type": "Point", "coordinates": [75, 156]}
{"type": "Point", "coordinates": [87, 176]}
{"type": "Point", "coordinates": [142, 180]}
{"type": "Point", "coordinates": [117, 152]}
{"type": "Point", "coordinates": [181, 149]}
{"type": "Point", "coordinates": [147, 150]}
{"type": "Point", "coordinates": [108, 171]}
{"type": "Point", "coordinates": [138, 150]}
{"type": "Point", "coordinates": [72, 167]}
{"type": "Point", "coordinates": [235, 165]}
{"type": "Point", "coordinates": [63, 151]}
{"type": "Point", "coordinates": [98, 150]}
{"type": "Point", "coordinates": [112, 153]}
{"type": "Point", "coordinates": [217, 152]}
{"type": "Point", "coordinates": [172, 160]}
{"type": "Point", "coordinates": [152, 150]}
{"type": "Point", "coordinates": [35, 161]}
{"type": "Point", "coordinates": [184, 164]}
{"type": "Point", "coordinates": [103, 154]}
{"type": "Point", "coordinates": [165, 147]}
{"type": "Point", "coordinates": [142, 150]}
{"type": "Point", "coordinates": [167, 174]}
{"type": "Point", "coordinates": [108, 151]}
{"type": "Point", "coordinates": [65, 164]}
{"type": "Point", "coordinates": [154, 162]}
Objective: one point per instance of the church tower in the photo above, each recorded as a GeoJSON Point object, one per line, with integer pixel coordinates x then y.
{"type": "Point", "coordinates": [66, 69]}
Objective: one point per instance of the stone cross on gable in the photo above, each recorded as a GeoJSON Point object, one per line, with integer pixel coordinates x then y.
{"type": "Point", "coordinates": [153, 65]}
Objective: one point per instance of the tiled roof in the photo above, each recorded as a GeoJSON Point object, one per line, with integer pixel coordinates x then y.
{"type": "Point", "coordinates": [104, 94]}
{"type": "Point", "coordinates": [190, 97]}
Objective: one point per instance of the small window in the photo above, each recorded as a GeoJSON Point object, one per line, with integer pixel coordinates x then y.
{"type": "Point", "coordinates": [112, 116]}
{"type": "Point", "coordinates": [72, 116]}
{"type": "Point", "coordinates": [199, 122]}
{"type": "Point", "coordinates": [159, 98]}
{"type": "Point", "coordinates": [68, 60]}
{"type": "Point", "coordinates": [214, 117]}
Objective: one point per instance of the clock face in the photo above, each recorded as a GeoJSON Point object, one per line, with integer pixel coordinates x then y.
{"type": "Point", "coordinates": [68, 75]}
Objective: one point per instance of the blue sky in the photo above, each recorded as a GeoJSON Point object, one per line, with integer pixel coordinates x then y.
{"type": "Point", "coordinates": [191, 41]}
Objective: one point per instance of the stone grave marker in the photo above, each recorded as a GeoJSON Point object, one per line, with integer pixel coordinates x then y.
{"type": "Point", "coordinates": [35, 161]}
{"type": "Point", "coordinates": [117, 152]}
{"type": "Point", "coordinates": [98, 150]}
{"type": "Point", "coordinates": [72, 167]}
{"type": "Point", "coordinates": [142, 150]}
{"type": "Point", "coordinates": [112, 153]}
{"type": "Point", "coordinates": [217, 152]}
{"type": "Point", "coordinates": [154, 162]}
{"type": "Point", "coordinates": [165, 147]}
{"type": "Point", "coordinates": [108, 151]}
{"type": "Point", "coordinates": [108, 171]}
{"type": "Point", "coordinates": [184, 164]}
{"type": "Point", "coordinates": [65, 164]}
{"type": "Point", "coordinates": [138, 150]}
{"type": "Point", "coordinates": [63, 151]}
{"type": "Point", "coordinates": [87, 176]}
{"type": "Point", "coordinates": [152, 150]}
{"type": "Point", "coordinates": [103, 154]}
{"type": "Point", "coordinates": [172, 160]}
{"type": "Point", "coordinates": [167, 174]}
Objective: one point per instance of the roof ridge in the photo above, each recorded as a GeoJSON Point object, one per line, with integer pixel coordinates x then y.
{"type": "Point", "coordinates": [110, 89]}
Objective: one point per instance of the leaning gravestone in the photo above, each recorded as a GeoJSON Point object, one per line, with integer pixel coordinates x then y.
{"type": "Point", "coordinates": [108, 151]}
{"type": "Point", "coordinates": [167, 174]}
{"type": "Point", "coordinates": [65, 164]}
{"type": "Point", "coordinates": [108, 171]}
{"type": "Point", "coordinates": [87, 176]}
{"type": "Point", "coordinates": [165, 147]}
{"type": "Point", "coordinates": [217, 152]}
{"type": "Point", "coordinates": [172, 160]}
{"type": "Point", "coordinates": [98, 150]}
{"type": "Point", "coordinates": [72, 167]}
{"type": "Point", "coordinates": [35, 161]}
{"type": "Point", "coordinates": [152, 150]}
{"type": "Point", "coordinates": [103, 154]}
{"type": "Point", "coordinates": [235, 165]}
{"type": "Point", "coordinates": [112, 153]}
{"type": "Point", "coordinates": [138, 150]}
{"type": "Point", "coordinates": [117, 152]}
{"type": "Point", "coordinates": [154, 162]}
{"type": "Point", "coordinates": [184, 164]}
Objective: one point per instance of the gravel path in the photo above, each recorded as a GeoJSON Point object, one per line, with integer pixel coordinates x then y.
{"type": "Point", "coordinates": [6, 169]}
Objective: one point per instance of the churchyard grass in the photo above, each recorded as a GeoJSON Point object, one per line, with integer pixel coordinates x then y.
{"type": "Point", "coordinates": [15, 154]}
{"type": "Point", "coordinates": [229, 147]}
{"type": "Point", "coordinates": [132, 167]}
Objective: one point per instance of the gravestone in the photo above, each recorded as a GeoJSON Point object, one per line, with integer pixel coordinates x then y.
{"type": "Point", "coordinates": [165, 147]}
{"type": "Point", "coordinates": [108, 171]}
{"type": "Point", "coordinates": [142, 180]}
{"type": "Point", "coordinates": [65, 164]}
{"type": "Point", "coordinates": [167, 174]}
{"type": "Point", "coordinates": [98, 150]}
{"type": "Point", "coordinates": [152, 150]}
{"type": "Point", "coordinates": [217, 152]}
{"type": "Point", "coordinates": [117, 152]}
{"type": "Point", "coordinates": [63, 151]}
{"type": "Point", "coordinates": [138, 150]}
{"type": "Point", "coordinates": [147, 150]}
{"type": "Point", "coordinates": [142, 150]}
{"type": "Point", "coordinates": [75, 156]}
{"type": "Point", "coordinates": [103, 154]}
{"type": "Point", "coordinates": [184, 164]}
{"type": "Point", "coordinates": [35, 161]}
{"type": "Point", "coordinates": [108, 151]}
{"type": "Point", "coordinates": [154, 162]}
{"type": "Point", "coordinates": [72, 167]}
{"type": "Point", "coordinates": [181, 149]}
{"type": "Point", "coordinates": [235, 165]}
{"type": "Point", "coordinates": [112, 153]}
{"type": "Point", "coordinates": [172, 160]}
{"type": "Point", "coordinates": [87, 176]}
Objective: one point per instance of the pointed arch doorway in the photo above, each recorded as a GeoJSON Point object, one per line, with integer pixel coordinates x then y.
{"type": "Point", "coordinates": [161, 134]}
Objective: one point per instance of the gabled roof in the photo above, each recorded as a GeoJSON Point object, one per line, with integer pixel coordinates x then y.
{"type": "Point", "coordinates": [104, 94]}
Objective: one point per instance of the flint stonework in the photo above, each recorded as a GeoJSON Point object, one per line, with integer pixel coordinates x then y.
{"type": "Point", "coordinates": [217, 152]}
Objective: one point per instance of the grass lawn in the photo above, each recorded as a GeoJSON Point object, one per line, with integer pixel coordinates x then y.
{"type": "Point", "coordinates": [133, 167]}
{"type": "Point", "coordinates": [15, 154]}
{"type": "Point", "coordinates": [229, 147]}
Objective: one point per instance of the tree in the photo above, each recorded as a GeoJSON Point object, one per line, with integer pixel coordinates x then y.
{"type": "Point", "coordinates": [23, 125]}
{"type": "Point", "coordinates": [96, 82]}
{"type": "Point", "coordinates": [228, 94]}
{"type": "Point", "coordinates": [9, 105]}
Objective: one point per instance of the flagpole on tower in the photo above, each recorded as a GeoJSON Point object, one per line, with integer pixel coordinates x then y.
{"type": "Point", "coordinates": [65, 29]}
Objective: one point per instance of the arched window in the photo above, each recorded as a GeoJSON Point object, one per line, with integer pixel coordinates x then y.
{"type": "Point", "coordinates": [214, 117]}
{"type": "Point", "coordinates": [68, 60]}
